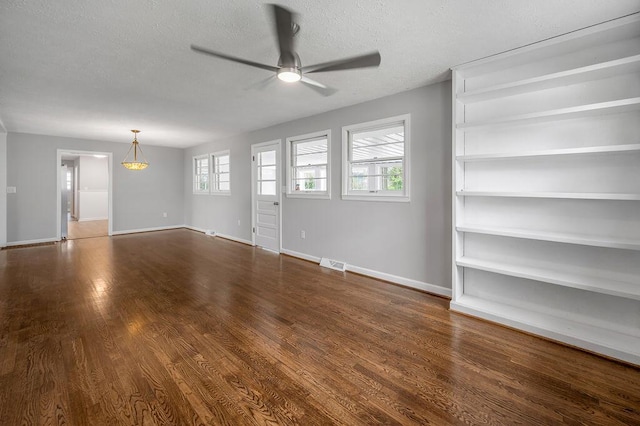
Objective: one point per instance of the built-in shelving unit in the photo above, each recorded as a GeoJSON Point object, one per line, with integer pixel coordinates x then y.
{"type": "Point", "coordinates": [546, 188]}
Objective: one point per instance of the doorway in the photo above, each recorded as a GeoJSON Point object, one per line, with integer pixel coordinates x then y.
{"type": "Point", "coordinates": [265, 195]}
{"type": "Point", "coordinates": [84, 194]}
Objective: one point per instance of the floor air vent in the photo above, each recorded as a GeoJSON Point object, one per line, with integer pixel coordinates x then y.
{"type": "Point", "coordinates": [210, 232]}
{"type": "Point", "coordinates": [333, 264]}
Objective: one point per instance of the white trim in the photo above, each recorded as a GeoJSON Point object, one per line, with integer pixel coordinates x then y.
{"type": "Point", "coordinates": [92, 218]}
{"type": "Point", "coordinates": [300, 255]}
{"type": "Point", "coordinates": [381, 198]}
{"type": "Point", "coordinates": [59, 154]}
{"type": "Point", "coordinates": [212, 172]}
{"type": "Point", "coordinates": [29, 242]}
{"type": "Point", "coordinates": [157, 228]}
{"type": "Point", "coordinates": [323, 195]}
{"type": "Point", "coordinates": [236, 239]}
{"type": "Point", "coordinates": [406, 160]}
{"type": "Point", "coordinates": [407, 282]}
{"type": "Point", "coordinates": [195, 228]}
{"type": "Point", "coordinates": [224, 236]}
{"type": "Point", "coordinates": [193, 174]}
{"type": "Point", "coordinates": [278, 188]}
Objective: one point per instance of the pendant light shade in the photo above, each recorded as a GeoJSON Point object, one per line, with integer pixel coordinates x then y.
{"type": "Point", "coordinates": [135, 164]}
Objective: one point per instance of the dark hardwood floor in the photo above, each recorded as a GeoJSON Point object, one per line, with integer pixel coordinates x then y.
{"type": "Point", "coordinates": [175, 327]}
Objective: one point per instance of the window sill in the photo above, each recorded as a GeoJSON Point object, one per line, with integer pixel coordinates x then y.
{"type": "Point", "coordinates": [323, 196]}
{"type": "Point", "coordinates": [381, 198]}
{"type": "Point", "coordinates": [223, 193]}
{"type": "Point", "coordinates": [200, 192]}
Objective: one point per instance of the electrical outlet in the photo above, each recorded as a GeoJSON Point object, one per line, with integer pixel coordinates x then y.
{"type": "Point", "coordinates": [11, 189]}
{"type": "Point", "coordinates": [164, 214]}
{"type": "Point", "coordinates": [303, 235]}
{"type": "Point", "coordinates": [238, 222]}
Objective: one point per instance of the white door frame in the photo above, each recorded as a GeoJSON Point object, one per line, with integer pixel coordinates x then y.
{"type": "Point", "coordinates": [62, 152]}
{"type": "Point", "coordinates": [277, 142]}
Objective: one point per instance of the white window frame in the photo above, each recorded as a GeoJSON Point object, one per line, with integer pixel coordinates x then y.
{"type": "Point", "coordinates": [349, 194]}
{"type": "Point", "coordinates": [291, 192]}
{"type": "Point", "coordinates": [213, 180]}
{"type": "Point", "coordinates": [194, 176]}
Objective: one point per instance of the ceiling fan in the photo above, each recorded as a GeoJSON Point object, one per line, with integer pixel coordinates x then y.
{"type": "Point", "coordinates": [289, 68]}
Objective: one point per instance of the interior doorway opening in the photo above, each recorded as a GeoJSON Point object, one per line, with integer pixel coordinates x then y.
{"type": "Point", "coordinates": [84, 194]}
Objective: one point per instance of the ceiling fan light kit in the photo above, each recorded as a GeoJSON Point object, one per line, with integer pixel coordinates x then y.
{"type": "Point", "coordinates": [135, 164]}
{"type": "Point", "coordinates": [289, 75]}
{"type": "Point", "coordinates": [290, 69]}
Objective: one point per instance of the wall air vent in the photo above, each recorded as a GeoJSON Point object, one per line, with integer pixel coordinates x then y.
{"type": "Point", "coordinates": [333, 264]}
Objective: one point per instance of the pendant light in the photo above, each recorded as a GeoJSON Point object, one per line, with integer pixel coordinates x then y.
{"type": "Point", "coordinates": [135, 164]}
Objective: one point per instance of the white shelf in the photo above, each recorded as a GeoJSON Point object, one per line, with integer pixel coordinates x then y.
{"type": "Point", "coordinates": [578, 75]}
{"type": "Point", "coordinates": [580, 279]}
{"type": "Point", "coordinates": [602, 108]}
{"type": "Point", "coordinates": [561, 195]}
{"type": "Point", "coordinates": [593, 150]}
{"type": "Point", "coordinates": [607, 341]}
{"type": "Point", "coordinates": [559, 237]}
{"type": "Point", "coordinates": [593, 307]}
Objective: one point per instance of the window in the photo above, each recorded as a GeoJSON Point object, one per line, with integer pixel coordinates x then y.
{"type": "Point", "coordinates": [221, 172]}
{"type": "Point", "coordinates": [201, 174]}
{"type": "Point", "coordinates": [375, 160]}
{"type": "Point", "coordinates": [308, 171]}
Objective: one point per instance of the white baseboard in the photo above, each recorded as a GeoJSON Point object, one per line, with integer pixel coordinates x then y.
{"type": "Point", "coordinates": [407, 282]}
{"type": "Point", "coordinates": [300, 255]}
{"type": "Point", "coordinates": [225, 236]}
{"type": "Point", "coordinates": [236, 239]}
{"type": "Point", "coordinates": [157, 228]}
{"type": "Point", "coordinates": [29, 242]}
{"type": "Point", "coordinates": [195, 228]}
{"type": "Point", "coordinates": [87, 219]}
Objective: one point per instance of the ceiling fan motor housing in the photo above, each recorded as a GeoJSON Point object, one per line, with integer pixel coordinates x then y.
{"type": "Point", "coordinates": [289, 60]}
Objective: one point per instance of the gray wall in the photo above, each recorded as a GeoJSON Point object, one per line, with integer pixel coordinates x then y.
{"type": "Point", "coordinates": [139, 198]}
{"type": "Point", "coordinates": [3, 190]}
{"type": "Point", "coordinates": [94, 174]}
{"type": "Point", "coordinates": [408, 240]}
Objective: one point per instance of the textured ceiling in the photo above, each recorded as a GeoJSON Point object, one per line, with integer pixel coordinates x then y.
{"type": "Point", "coordinates": [96, 68]}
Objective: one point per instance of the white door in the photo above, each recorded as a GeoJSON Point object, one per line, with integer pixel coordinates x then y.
{"type": "Point", "coordinates": [265, 159]}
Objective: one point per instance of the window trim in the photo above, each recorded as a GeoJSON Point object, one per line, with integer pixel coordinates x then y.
{"type": "Point", "coordinates": [406, 160]}
{"type": "Point", "coordinates": [194, 184]}
{"type": "Point", "coordinates": [212, 173]}
{"type": "Point", "coordinates": [322, 195]}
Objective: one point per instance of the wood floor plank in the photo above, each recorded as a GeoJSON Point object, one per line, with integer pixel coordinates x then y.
{"type": "Point", "coordinates": [176, 327]}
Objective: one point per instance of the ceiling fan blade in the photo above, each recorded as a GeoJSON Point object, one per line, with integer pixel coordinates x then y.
{"type": "Point", "coordinates": [233, 58]}
{"type": "Point", "coordinates": [285, 32]}
{"type": "Point", "coordinates": [369, 60]}
{"type": "Point", "coordinates": [262, 84]}
{"type": "Point", "coordinates": [318, 87]}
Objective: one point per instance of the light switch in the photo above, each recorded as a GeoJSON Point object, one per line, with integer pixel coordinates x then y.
{"type": "Point", "coordinates": [11, 189]}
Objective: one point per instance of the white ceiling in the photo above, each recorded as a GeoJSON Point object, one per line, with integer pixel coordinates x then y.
{"type": "Point", "coordinates": [97, 68]}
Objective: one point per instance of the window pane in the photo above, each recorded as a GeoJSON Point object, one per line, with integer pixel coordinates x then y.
{"type": "Point", "coordinates": [223, 168]}
{"type": "Point", "coordinates": [310, 152]}
{"type": "Point", "coordinates": [224, 186]}
{"type": "Point", "coordinates": [359, 177]}
{"type": "Point", "coordinates": [392, 177]}
{"type": "Point", "coordinates": [373, 152]}
{"type": "Point", "coordinates": [267, 187]}
{"type": "Point", "coordinates": [267, 173]}
{"type": "Point", "coordinates": [267, 158]}
{"type": "Point", "coordinates": [223, 159]}
{"type": "Point", "coordinates": [377, 144]}
{"type": "Point", "coordinates": [310, 183]}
